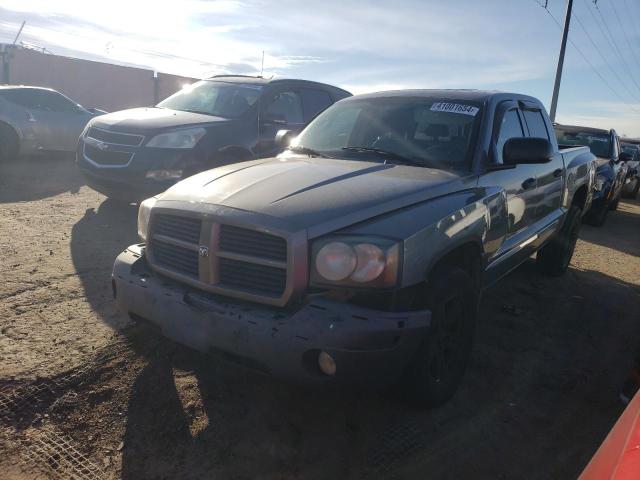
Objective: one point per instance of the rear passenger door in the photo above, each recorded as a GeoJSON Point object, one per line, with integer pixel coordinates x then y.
{"type": "Point", "coordinates": [550, 176]}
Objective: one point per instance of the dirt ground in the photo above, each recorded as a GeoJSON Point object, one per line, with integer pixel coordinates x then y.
{"type": "Point", "coordinates": [85, 393]}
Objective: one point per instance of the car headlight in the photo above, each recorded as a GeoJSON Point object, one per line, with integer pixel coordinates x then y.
{"type": "Point", "coordinates": [144, 213]}
{"type": "Point", "coordinates": [86, 128]}
{"type": "Point", "coordinates": [184, 138]}
{"type": "Point", "coordinates": [599, 182]}
{"type": "Point", "coordinates": [355, 261]}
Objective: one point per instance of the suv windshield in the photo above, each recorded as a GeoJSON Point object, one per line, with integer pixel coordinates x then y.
{"type": "Point", "coordinates": [631, 149]}
{"type": "Point", "coordinates": [227, 100]}
{"type": "Point", "coordinates": [413, 130]}
{"type": "Point", "coordinates": [598, 143]}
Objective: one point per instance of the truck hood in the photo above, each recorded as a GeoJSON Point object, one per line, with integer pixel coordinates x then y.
{"type": "Point", "coordinates": [144, 120]}
{"type": "Point", "coordinates": [317, 194]}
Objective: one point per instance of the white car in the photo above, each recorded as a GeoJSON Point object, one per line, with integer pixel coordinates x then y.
{"type": "Point", "coordinates": [35, 119]}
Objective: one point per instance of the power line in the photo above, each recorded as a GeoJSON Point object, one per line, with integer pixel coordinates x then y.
{"type": "Point", "coordinates": [616, 48]}
{"type": "Point", "coordinates": [604, 58]}
{"type": "Point", "coordinates": [624, 32]}
{"type": "Point", "coordinates": [628, 75]}
{"type": "Point", "coordinates": [584, 57]}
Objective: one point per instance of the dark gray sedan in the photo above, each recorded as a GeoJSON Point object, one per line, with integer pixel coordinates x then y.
{"type": "Point", "coordinates": [35, 119]}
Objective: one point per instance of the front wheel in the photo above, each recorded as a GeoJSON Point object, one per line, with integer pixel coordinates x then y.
{"type": "Point", "coordinates": [439, 364]}
{"type": "Point", "coordinates": [553, 259]}
{"type": "Point", "coordinates": [9, 143]}
{"type": "Point", "coordinates": [596, 217]}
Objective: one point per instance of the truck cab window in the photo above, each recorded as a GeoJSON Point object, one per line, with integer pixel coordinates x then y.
{"type": "Point", "coordinates": [510, 127]}
{"type": "Point", "coordinates": [286, 107]}
{"type": "Point", "coordinates": [535, 122]}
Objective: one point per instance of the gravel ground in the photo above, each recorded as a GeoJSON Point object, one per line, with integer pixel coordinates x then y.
{"type": "Point", "coordinates": [85, 393]}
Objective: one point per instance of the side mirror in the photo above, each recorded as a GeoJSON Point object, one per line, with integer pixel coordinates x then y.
{"type": "Point", "coordinates": [527, 150]}
{"type": "Point", "coordinates": [284, 138]}
{"type": "Point", "coordinates": [624, 157]}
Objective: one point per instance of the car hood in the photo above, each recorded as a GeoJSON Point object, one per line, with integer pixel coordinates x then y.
{"type": "Point", "coordinates": [143, 120]}
{"type": "Point", "coordinates": [317, 194]}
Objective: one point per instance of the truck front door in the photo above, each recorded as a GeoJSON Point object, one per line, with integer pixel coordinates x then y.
{"type": "Point", "coordinates": [550, 176]}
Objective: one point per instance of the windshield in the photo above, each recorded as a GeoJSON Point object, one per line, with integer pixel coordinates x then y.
{"type": "Point", "coordinates": [598, 143]}
{"type": "Point", "coordinates": [227, 100]}
{"type": "Point", "coordinates": [630, 148]}
{"type": "Point", "coordinates": [424, 131]}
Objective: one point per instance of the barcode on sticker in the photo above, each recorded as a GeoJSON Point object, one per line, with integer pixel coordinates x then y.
{"type": "Point", "coordinates": [454, 108]}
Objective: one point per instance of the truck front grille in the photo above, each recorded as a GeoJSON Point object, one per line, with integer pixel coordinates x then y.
{"type": "Point", "coordinates": [107, 157]}
{"type": "Point", "coordinates": [219, 257]}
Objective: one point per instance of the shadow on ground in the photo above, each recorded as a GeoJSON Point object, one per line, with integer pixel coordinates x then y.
{"type": "Point", "coordinates": [34, 178]}
{"type": "Point", "coordinates": [624, 223]}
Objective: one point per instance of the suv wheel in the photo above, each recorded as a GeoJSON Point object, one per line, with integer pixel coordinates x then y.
{"type": "Point", "coordinates": [433, 376]}
{"type": "Point", "coordinates": [597, 217]}
{"type": "Point", "coordinates": [553, 259]}
{"type": "Point", "coordinates": [9, 143]}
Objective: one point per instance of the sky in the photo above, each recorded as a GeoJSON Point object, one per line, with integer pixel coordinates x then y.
{"type": "Point", "coordinates": [364, 46]}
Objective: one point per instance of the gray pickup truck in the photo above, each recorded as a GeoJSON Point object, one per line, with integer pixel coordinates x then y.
{"type": "Point", "coordinates": [359, 254]}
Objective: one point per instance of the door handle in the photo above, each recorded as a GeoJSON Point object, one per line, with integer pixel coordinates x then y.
{"type": "Point", "coordinates": [529, 183]}
{"type": "Point", "coordinates": [557, 172]}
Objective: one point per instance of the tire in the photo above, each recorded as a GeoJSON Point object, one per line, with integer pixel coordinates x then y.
{"type": "Point", "coordinates": [598, 216]}
{"type": "Point", "coordinates": [615, 203]}
{"type": "Point", "coordinates": [634, 192]}
{"type": "Point", "coordinates": [9, 143]}
{"type": "Point", "coordinates": [436, 371]}
{"type": "Point", "coordinates": [553, 259]}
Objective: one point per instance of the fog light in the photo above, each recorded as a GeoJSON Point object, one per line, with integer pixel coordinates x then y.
{"type": "Point", "coordinates": [326, 363]}
{"type": "Point", "coordinates": [164, 174]}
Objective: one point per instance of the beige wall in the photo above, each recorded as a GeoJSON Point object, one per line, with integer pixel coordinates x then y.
{"type": "Point", "coordinates": [92, 84]}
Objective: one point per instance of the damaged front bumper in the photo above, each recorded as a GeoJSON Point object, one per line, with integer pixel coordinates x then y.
{"type": "Point", "coordinates": [370, 347]}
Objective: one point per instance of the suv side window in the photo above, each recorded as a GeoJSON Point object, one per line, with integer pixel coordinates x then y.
{"type": "Point", "coordinates": [313, 102]}
{"type": "Point", "coordinates": [56, 102]}
{"type": "Point", "coordinates": [510, 127]}
{"type": "Point", "coordinates": [286, 107]}
{"type": "Point", "coordinates": [25, 97]}
{"type": "Point", "coordinates": [535, 122]}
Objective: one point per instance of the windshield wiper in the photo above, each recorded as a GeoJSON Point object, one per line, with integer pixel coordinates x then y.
{"type": "Point", "coordinates": [308, 151]}
{"type": "Point", "coordinates": [197, 111]}
{"type": "Point", "coordinates": [386, 153]}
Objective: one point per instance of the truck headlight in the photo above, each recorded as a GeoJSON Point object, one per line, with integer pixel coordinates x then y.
{"type": "Point", "coordinates": [599, 182]}
{"type": "Point", "coordinates": [183, 138]}
{"type": "Point", "coordinates": [144, 213]}
{"type": "Point", "coordinates": [355, 261]}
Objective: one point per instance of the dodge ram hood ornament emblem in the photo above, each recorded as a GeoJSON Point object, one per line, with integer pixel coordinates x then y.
{"type": "Point", "coordinates": [203, 251]}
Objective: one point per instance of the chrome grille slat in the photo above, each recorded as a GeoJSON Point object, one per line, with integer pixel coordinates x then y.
{"type": "Point", "coordinates": [181, 260]}
{"type": "Point", "coordinates": [182, 228]}
{"type": "Point", "coordinates": [107, 157]}
{"type": "Point", "coordinates": [115, 138]}
{"type": "Point", "coordinates": [252, 277]}
{"type": "Point", "coordinates": [251, 242]}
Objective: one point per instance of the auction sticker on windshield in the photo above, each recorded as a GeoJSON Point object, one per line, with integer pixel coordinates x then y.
{"type": "Point", "coordinates": [454, 108]}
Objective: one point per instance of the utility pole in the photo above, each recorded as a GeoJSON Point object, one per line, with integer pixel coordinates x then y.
{"type": "Point", "coordinates": [19, 32]}
{"type": "Point", "coordinates": [563, 48]}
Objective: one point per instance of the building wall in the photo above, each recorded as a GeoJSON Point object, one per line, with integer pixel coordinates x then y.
{"type": "Point", "coordinates": [92, 84]}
